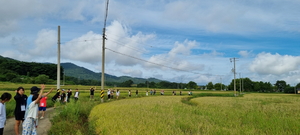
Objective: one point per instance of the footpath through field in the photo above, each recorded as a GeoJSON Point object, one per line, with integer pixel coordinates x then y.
{"type": "Point", "coordinates": [43, 127]}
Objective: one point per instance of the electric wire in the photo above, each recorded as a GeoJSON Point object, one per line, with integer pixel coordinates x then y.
{"type": "Point", "coordinates": [149, 61]}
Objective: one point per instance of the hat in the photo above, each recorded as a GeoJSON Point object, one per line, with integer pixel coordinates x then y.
{"type": "Point", "coordinates": [34, 90]}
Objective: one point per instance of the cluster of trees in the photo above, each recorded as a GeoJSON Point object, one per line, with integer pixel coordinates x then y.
{"type": "Point", "coordinates": [247, 85]}
{"type": "Point", "coordinates": [162, 84]}
{"type": "Point", "coordinates": [26, 72]}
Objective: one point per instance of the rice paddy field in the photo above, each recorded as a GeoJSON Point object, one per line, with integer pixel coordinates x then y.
{"type": "Point", "coordinates": [254, 113]}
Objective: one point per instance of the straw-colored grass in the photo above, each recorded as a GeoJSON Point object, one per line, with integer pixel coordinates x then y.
{"type": "Point", "coordinates": [251, 114]}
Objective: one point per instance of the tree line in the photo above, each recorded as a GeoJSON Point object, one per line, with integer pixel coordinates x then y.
{"type": "Point", "coordinates": [247, 85]}
{"type": "Point", "coordinates": [45, 73]}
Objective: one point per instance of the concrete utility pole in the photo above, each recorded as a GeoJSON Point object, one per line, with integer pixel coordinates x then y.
{"type": "Point", "coordinates": [295, 88]}
{"type": "Point", "coordinates": [240, 83]}
{"type": "Point", "coordinates": [103, 48]}
{"type": "Point", "coordinates": [58, 58]}
{"type": "Point", "coordinates": [234, 73]}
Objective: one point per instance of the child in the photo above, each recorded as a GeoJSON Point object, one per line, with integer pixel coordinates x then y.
{"type": "Point", "coordinates": [43, 103]}
{"type": "Point", "coordinates": [5, 97]}
{"type": "Point", "coordinates": [31, 120]}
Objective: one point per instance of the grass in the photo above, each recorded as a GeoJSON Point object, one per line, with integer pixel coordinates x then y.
{"type": "Point", "coordinates": [72, 118]}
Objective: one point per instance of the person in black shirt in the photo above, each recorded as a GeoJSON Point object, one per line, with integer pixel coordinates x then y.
{"type": "Point", "coordinates": [54, 98]}
{"type": "Point", "coordinates": [69, 94]}
{"type": "Point", "coordinates": [92, 93]}
{"type": "Point", "coordinates": [20, 108]}
{"type": "Point", "coordinates": [63, 97]}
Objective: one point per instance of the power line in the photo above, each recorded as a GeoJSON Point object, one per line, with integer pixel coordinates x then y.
{"type": "Point", "coordinates": [150, 61]}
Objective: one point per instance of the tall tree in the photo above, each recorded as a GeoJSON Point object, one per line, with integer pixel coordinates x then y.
{"type": "Point", "coordinates": [210, 86]}
{"type": "Point", "coordinates": [192, 85]}
{"type": "Point", "coordinates": [280, 84]}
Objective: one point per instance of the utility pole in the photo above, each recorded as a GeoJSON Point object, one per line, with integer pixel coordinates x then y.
{"type": "Point", "coordinates": [240, 83]}
{"type": "Point", "coordinates": [58, 58]}
{"type": "Point", "coordinates": [103, 48]}
{"type": "Point", "coordinates": [147, 83]}
{"type": "Point", "coordinates": [295, 88]}
{"type": "Point", "coordinates": [234, 73]}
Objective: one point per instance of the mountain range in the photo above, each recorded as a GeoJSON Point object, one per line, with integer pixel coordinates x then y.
{"type": "Point", "coordinates": [73, 70]}
{"type": "Point", "coordinates": [70, 69]}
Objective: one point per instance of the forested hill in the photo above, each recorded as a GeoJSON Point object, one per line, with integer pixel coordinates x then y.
{"type": "Point", "coordinates": [14, 69]}
{"type": "Point", "coordinates": [10, 69]}
{"type": "Point", "coordinates": [83, 73]}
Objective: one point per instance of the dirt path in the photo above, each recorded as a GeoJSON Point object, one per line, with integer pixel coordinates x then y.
{"type": "Point", "coordinates": [44, 124]}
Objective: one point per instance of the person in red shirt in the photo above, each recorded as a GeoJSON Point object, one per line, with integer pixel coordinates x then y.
{"type": "Point", "coordinates": [43, 104]}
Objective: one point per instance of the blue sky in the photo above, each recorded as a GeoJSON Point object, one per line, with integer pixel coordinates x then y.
{"type": "Point", "coordinates": [173, 40]}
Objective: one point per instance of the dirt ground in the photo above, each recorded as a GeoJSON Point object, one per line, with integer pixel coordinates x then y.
{"type": "Point", "coordinates": [43, 127]}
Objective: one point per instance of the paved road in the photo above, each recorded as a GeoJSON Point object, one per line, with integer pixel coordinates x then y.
{"type": "Point", "coordinates": [44, 124]}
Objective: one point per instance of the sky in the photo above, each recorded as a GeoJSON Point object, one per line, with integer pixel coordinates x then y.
{"type": "Point", "coordinates": [173, 40]}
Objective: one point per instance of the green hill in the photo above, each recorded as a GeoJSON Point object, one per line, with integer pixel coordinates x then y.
{"type": "Point", "coordinates": [33, 69]}
{"type": "Point", "coordinates": [73, 70]}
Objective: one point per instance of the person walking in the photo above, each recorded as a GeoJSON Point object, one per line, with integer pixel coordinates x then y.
{"type": "Point", "coordinates": [31, 120]}
{"type": "Point", "coordinates": [20, 108]}
{"type": "Point", "coordinates": [5, 97]}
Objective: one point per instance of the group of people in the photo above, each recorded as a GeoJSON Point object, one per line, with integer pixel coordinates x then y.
{"type": "Point", "coordinates": [30, 108]}
{"type": "Point", "coordinates": [26, 110]}
{"type": "Point", "coordinates": [64, 96]}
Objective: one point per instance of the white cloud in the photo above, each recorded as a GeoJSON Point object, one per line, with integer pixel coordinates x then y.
{"type": "Point", "coordinates": [233, 17]}
{"type": "Point", "coordinates": [182, 48]}
{"type": "Point", "coordinates": [87, 48]}
{"type": "Point", "coordinates": [121, 47]}
{"type": "Point", "coordinates": [45, 44]}
{"type": "Point", "coordinates": [176, 58]}
{"type": "Point", "coordinates": [244, 53]}
{"type": "Point", "coordinates": [266, 63]}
